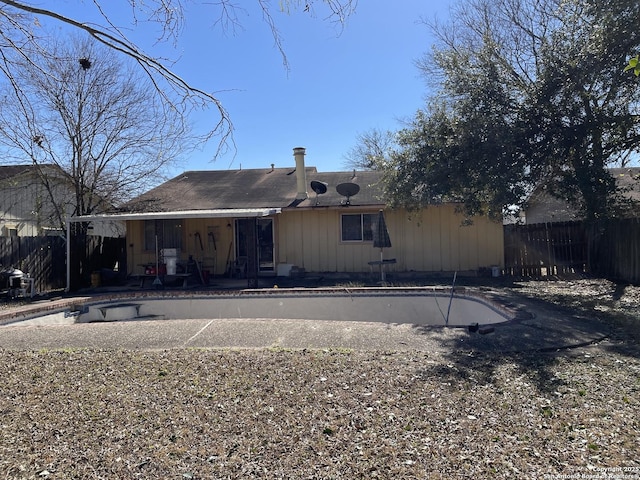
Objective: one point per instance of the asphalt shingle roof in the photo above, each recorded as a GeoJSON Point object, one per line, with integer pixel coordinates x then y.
{"type": "Point", "coordinates": [11, 171]}
{"type": "Point", "coordinates": [253, 188]}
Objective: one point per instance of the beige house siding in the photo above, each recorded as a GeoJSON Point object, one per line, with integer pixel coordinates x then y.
{"type": "Point", "coordinates": [433, 240]}
{"type": "Point", "coordinates": [135, 252]}
{"type": "Point", "coordinates": [213, 254]}
{"type": "Point", "coordinates": [311, 239]}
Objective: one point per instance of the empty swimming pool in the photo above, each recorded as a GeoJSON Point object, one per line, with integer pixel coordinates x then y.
{"type": "Point", "coordinates": [418, 305]}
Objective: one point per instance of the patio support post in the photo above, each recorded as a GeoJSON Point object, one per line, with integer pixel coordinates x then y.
{"type": "Point", "coordinates": [252, 253]}
{"type": "Point", "coordinates": [68, 288]}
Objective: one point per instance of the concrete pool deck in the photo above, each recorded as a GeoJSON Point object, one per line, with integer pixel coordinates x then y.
{"type": "Point", "coordinates": [535, 327]}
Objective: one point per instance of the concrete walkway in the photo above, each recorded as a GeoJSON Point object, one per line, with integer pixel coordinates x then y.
{"type": "Point", "coordinates": [537, 327]}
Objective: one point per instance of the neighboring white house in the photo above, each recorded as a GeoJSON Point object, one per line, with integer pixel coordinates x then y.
{"type": "Point", "coordinates": [26, 208]}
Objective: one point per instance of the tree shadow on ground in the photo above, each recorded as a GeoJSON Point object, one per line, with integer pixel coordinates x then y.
{"type": "Point", "coordinates": [488, 368]}
{"type": "Point", "coordinates": [611, 305]}
{"type": "Point", "coordinates": [548, 325]}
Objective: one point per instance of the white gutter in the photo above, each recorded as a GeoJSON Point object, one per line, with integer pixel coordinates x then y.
{"type": "Point", "coordinates": [218, 213]}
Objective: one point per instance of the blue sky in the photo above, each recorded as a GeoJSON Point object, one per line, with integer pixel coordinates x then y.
{"type": "Point", "coordinates": [340, 82]}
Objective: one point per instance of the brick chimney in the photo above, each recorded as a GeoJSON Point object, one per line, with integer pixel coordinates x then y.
{"type": "Point", "coordinates": [301, 174]}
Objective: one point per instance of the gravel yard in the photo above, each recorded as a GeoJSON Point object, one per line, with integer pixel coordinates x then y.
{"type": "Point", "coordinates": [334, 414]}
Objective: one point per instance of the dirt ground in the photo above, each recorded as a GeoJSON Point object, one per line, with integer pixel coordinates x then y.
{"type": "Point", "coordinates": [618, 304]}
{"type": "Point", "coordinates": [333, 414]}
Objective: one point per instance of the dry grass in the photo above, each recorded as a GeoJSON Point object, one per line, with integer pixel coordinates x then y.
{"type": "Point", "coordinates": [310, 414]}
{"type": "Point", "coordinates": [617, 304]}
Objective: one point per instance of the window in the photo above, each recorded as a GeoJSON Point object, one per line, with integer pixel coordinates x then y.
{"type": "Point", "coordinates": [357, 227]}
{"type": "Point", "coordinates": [10, 230]}
{"type": "Point", "coordinates": [169, 234]}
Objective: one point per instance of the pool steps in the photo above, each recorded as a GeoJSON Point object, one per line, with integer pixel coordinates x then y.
{"type": "Point", "coordinates": [114, 312]}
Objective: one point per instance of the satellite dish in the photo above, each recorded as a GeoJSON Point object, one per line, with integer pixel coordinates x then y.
{"type": "Point", "coordinates": [348, 190]}
{"type": "Point", "coordinates": [319, 187]}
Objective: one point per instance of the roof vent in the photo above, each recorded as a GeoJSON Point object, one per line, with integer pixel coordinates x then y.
{"type": "Point", "coordinates": [347, 190]}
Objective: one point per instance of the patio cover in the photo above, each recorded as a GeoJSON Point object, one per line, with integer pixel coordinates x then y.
{"type": "Point", "coordinates": [216, 213]}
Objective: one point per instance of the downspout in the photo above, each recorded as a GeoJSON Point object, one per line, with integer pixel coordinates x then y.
{"type": "Point", "coordinates": [301, 174]}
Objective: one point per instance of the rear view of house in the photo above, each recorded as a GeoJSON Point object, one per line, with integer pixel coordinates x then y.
{"type": "Point", "coordinates": [287, 220]}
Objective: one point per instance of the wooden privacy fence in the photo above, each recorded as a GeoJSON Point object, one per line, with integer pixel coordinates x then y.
{"type": "Point", "coordinates": [614, 249]}
{"type": "Point", "coordinates": [43, 258]}
{"type": "Point", "coordinates": [608, 248]}
{"type": "Point", "coordinates": [543, 249]}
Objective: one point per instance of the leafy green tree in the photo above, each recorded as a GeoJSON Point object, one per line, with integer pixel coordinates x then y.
{"type": "Point", "coordinates": [527, 93]}
{"type": "Point", "coordinates": [634, 65]}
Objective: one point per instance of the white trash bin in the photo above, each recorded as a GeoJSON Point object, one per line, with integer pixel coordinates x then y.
{"type": "Point", "coordinates": [170, 257]}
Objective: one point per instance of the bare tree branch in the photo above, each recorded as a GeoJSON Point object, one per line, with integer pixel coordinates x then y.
{"type": "Point", "coordinates": [106, 132]}
{"type": "Point", "coordinates": [176, 92]}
